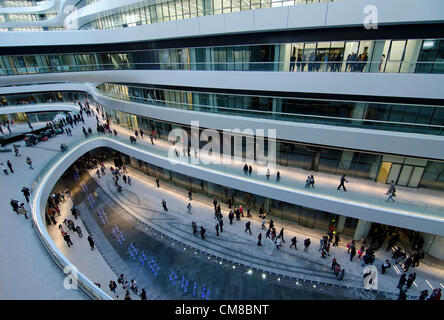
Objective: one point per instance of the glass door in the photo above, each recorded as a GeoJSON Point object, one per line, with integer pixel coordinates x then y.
{"type": "Point", "coordinates": [416, 177]}
{"type": "Point", "coordinates": [404, 177]}
{"type": "Point", "coordinates": [394, 173]}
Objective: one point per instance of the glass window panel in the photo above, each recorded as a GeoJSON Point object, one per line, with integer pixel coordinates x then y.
{"type": "Point", "coordinates": [179, 11]}
{"type": "Point", "coordinates": [438, 66]}
{"type": "Point", "coordinates": [328, 161]}
{"type": "Point", "coordinates": [411, 54]}
{"type": "Point", "coordinates": [172, 9]}
{"type": "Point", "coordinates": [424, 115]}
{"type": "Point", "coordinates": [165, 12]}
{"type": "Point", "coordinates": [427, 55]}
{"type": "Point", "coordinates": [397, 113]}
{"type": "Point", "coordinates": [410, 114]}
{"type": "Point", "coordinates": [217, 6]}
{"type": "Point", "coordinates": [235, 5]}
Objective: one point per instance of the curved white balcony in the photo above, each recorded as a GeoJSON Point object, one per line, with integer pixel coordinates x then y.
{"type": "Point", "coordinates": [388, 142]}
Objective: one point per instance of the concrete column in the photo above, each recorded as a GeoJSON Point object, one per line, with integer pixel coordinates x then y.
{"type": "Point", "coordinates": [341, 222]}
{"type": "Point", "coordinates": [267, 204]}
{"type": "Point", "coordinates": [362, 229]}
{"type": "Point", "coordinates": [433, 245]}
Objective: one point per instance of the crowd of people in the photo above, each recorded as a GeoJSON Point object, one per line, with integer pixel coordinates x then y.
{"type": "Point", "coordinates": [328, 61]}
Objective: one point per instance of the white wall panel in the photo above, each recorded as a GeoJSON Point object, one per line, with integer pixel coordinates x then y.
{"type": "Point", "coordinates": [275, 19]}
{"type": "Point", "coordinates": [242, 21]}
{"type": "Point", "coordinates": [211, 24]}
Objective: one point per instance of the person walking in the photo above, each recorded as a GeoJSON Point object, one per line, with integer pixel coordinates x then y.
{"type": "Point", "coordinates": [294, 243]}
{"type": "Point", "coordinates": [281, 235]}
{"type": "Point", "coordinates": [190, 195]}
{"type": "Point", "coordinates": [402, 294]}
{"type": "Point", "coordinates": [278, 176]}
{"type": "Point", "coordinates": [424, 295]}
{"type": "Point", "coordinates": [164, 205]}
{"type": "Point", "coordinates": [391, 195]}
{"type": "Point", "coordinates": [341, 275]}
{"type": "Point", "coordinates": [321, 243]}
{"type": "Point", "coordinates": [14, 205]}
{"type": "Point", "coordinates": [436, 294]}
{"type": "Point", "coordinates": [231, 216]}
{"type": "Point", "coordinates": [91, 242]}
{"type": "Point", "coordinates": [124, 178]}
{"type": "Point", "coordinates": [333, 264]}
{"type": "Point", "coordinates": [143, 294]}
{"type": "Point", "coordinates": [263, 223]}
{"type": "Point", "coordinates": [410, 280]}
{"type": "Point", "coordinates": [247, 227]}
{"type": "Point", "coordinates": [202, 232]}
{"type": "Point", "coordinates": [157, 182]}
{"type": "Point", "coordinates": [113, 287]}
{"type": "Point", "coordinates": [133, 285]}
{"type": "Point", "coordinates": [189, 208]}
{"type": "Point", "coordinates": [98, 173]}
{"type": "Point", "coordinates": [221, 224]}
{"type": "Point", "coordinates": [307, 182]}
{"type": "Point", "coordinates": [2, 167]}
{"type": "Point", "coordinates": [79, 231]}
{"type": "Point", "coordinates": [352, 253]}
{"type": "Point", "coordinates": [402, 280]}
{"type": "Point", "coordinates": [268, 174]}
{"type": "Point", "coordinates": [278, 243]}
{"type": "Point", "coordinates": [312, 181]}
{"type": "Point", "coordinates": [343, 180]}
{"type": "Point", "coordinates": [29, 162]}
{"type": "Point", "coordinates": [259, 239]}
{"type": "Point", "coordinates": [391, 187]}
{"type": "Point", "coordinates": [408, 263]}
{"type": "Point", "coordinates": [307, 243]}
{"type": "Point", "coordinates": [141, 133]}
{"type": "Point", "coordinates": [386, 265]}
{"type": "Point", "coordinates": [26, 193]}
{"type": "Point", "coordinates": [129, 180]}
{"type": "Point", "coordinates": [23, 211]}
{"type": "Point", "coordinates": [9, 164]}
{"type": "Point", "coordinates": [67, 238]}
{"type": "Point", "coordinates": [337, 239]}
{"type": "Point", "coordinates": [215, 203]}
{"type": "Point", "coordinates": [217, 229]}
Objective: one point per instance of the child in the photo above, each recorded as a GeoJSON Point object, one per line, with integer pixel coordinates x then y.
{"type": "Point", "coordinates": [361, 252]}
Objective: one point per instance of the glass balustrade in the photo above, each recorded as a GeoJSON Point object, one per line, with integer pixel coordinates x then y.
{"type": "Point", "coordinates": [293, 117]}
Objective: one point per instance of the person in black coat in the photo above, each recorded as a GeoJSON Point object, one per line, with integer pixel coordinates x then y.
{"type": "Point", "coordinates": [342, 183]}
{"type": "Point", "coordinates": [26, 193]}
{"type": "Point", "coordinates": [352, 252]}
{"type": "Point", "coordinates": [411, 279]}
{"type": "Point", "coordinates": [402, 280]}
{"type": "Point", "coordinates": [407, 263]}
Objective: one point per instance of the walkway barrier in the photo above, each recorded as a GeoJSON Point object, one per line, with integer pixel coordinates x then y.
{"type": "Point", "coordinates": [41, 188]}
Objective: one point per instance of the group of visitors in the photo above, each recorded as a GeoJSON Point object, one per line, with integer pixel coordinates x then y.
{"type": "Point", "coordinates": [126, 287]}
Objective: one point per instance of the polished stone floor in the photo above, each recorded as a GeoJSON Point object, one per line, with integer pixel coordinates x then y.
{"type": "Point", "coordinates": [135, 240]}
